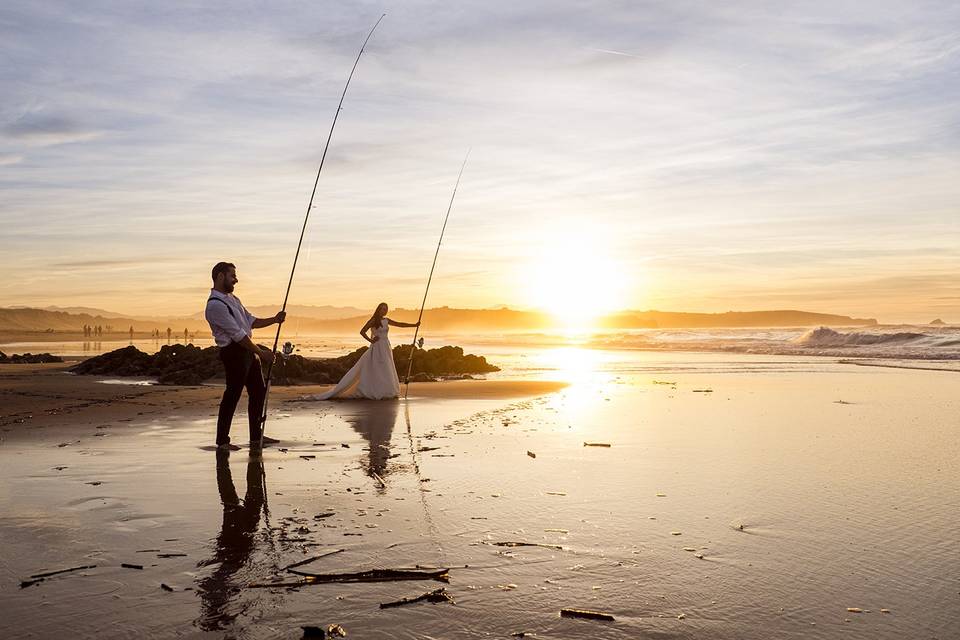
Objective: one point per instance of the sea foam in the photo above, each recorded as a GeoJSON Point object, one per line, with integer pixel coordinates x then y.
{"type": "Point", "coordinates": [827, 337]}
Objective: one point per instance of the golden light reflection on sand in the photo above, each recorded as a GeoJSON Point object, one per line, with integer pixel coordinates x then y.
{"type": "Point", "coordinates": [582, 369]}
{"type": "Point", "coordinates": [573, 364]}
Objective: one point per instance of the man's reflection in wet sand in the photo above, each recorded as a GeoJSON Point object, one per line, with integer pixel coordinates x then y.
{"type": "Point", "coordinates": [374, 420]}
{"type": "Point", "coordinates": [234, 545]}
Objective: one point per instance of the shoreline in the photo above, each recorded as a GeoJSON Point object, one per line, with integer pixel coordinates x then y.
{"type": "Point", "coordinates": [327, 346]}
{"type": "Point", "coordinates": [39, 396]}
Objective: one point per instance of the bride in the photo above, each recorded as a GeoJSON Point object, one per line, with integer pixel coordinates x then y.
{"type": "Point", "coordinates": [374, 376]}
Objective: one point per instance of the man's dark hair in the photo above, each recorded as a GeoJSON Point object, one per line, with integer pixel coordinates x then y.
{"type": "Point", "coordinates": [221, 267]}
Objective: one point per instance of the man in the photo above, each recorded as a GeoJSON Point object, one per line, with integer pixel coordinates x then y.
{"type": "Point", "coordinates": [232, 326]}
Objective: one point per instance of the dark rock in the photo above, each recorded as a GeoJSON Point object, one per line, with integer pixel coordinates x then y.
{"type": "Point", "coordinates": [29, 358]}
{"type": "Point", "coordinates": [173, 364]}
{"type": "Point", "coordinates": [422, 377]}
{"type": "Point", "coordinates": [190, 365]}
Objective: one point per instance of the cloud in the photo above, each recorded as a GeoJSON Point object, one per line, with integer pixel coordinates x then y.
{"type": "Point", "coordinates": [97, 264]}
{"type": "Point", "coordinates": [7, 159]}
{"type": "Point", "coordinates": [41, 130]}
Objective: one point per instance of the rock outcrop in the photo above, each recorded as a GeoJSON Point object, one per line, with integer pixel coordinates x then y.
{"type": "Point", "coordinates": [28, 358]}
{"type": "Point", "coordinates": [180, 364]}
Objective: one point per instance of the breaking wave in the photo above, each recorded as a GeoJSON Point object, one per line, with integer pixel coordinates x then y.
{"type": "Point", "coordinates": [827, 337]}
{"type": "Point", "coordinates": [902, 342]}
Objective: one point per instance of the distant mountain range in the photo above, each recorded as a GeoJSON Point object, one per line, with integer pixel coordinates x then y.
{"type": "Point", "coordinates": [327, 319]}
{"type": "Point", "coordinates": [324, 312]}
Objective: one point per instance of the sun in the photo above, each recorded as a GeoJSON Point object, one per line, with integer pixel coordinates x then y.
{"type": "Point", "coordinates": [576, 278]}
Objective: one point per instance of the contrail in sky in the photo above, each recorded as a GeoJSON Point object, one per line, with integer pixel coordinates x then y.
{"type": "Point", "coordinates": [613, 52]}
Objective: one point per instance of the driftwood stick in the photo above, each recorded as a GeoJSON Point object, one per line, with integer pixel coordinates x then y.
{"type": "Point", "coordinates": [584, 613]}
{"type": "Point", "coordinates": [268, 585]}
{"type": "Point", "coordinates": [437, 595]}
{"type": "Point", "coordinates": [526, 544]}
{"type": "Point", "coordinates": [59, 571]}
{"type": "Point", "coordinates": [311, 559]}
{"type": "Point", "coordinates": [377, 575]}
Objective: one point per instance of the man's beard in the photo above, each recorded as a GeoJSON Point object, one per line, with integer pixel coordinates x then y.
{"type": "Point", "coordinates": [229, 288]}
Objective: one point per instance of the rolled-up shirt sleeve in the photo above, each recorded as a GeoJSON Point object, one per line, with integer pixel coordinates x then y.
{"type": "Point", "coordinates": [218, 316]}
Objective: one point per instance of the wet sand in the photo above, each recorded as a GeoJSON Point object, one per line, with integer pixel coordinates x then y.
{"type": "Point", "coordinates": [751, 501]}
{"type": "Point", "coordinates": [50, 398]}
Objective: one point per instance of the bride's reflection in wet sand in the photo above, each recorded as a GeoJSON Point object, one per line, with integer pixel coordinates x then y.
{"type": "Point", "coordinates": [234, 544]}
{"type": "Point", "coordinates": [374, 420]}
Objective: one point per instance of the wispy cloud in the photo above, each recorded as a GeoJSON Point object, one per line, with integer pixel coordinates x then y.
{"type": "Point", "coordinates": [40, 129]}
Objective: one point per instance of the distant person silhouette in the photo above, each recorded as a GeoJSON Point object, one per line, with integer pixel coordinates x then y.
{"type": "Point", "coordinates": [185, 336]}
{"type": "Point", "coordinates": [131, 332]}
{"type": "Point", "coordinates": [169, 333]}
{"type": "Point", "coordinates": [232, 327]}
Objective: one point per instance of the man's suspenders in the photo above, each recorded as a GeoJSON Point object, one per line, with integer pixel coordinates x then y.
{"type": "Point", "coordinates": [229, 310]}
{"type": "Point", "coordinates": [221, 300]}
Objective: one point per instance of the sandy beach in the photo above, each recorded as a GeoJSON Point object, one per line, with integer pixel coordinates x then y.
{"type": "Point", "coordinates": [740, 497]}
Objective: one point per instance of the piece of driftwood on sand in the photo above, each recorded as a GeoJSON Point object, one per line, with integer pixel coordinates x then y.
{"type": "Point", "coordinates": [40, 577]}
{"type": "Point", "coordinates": [59, 571]}
{"type": "Point", "coordinates": [585, 613]}
{"type": "Point", "coordinates": [378, 575]}
{"type": "Point", "coordinates": [511, 543]}
{"type": "Point", "coordinates": [311, 559]}
{"type": "Point", "coordinates": [373, 575]}
{"type": "Point", "coordinates": [437, 595]}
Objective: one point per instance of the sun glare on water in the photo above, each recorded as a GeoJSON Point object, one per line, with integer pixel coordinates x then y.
{"type": "Point", "coordinates": [576, 279]}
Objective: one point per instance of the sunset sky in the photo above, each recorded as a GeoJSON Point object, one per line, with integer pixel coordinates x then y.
{"type": "Point", "coordinates": [671, 155]}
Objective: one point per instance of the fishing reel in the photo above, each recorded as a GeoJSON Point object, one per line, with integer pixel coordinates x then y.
{"type": "Point", "coordinates": [420, 342]}
{"type": "Point", "coordinates": [288, 348]}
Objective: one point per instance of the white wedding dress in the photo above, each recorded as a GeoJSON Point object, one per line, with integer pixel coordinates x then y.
{"type": "Point", "coordinates": [374, 376]}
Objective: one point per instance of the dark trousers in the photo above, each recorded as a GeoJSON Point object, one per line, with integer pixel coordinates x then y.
{"type": "Point", "coordinates": [242, 369]}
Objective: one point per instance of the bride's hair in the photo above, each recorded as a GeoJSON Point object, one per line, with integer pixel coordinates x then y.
{"type": "Point", "coordinates": [377, 318]}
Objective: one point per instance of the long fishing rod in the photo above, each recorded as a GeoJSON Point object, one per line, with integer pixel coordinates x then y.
{"type": "Point", "coordinates": [306, 218]}
{"type": "Point", "coordinates": [413, 345]}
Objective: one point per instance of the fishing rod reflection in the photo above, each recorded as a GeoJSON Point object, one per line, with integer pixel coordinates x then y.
{"type": "Point", "coordinates": [233, 546]}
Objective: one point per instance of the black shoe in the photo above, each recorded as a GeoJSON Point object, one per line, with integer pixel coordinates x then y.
{"type": "Point", "coordinates": [268, 440]}
{"type": "Point", "coordinates": [227, 447]}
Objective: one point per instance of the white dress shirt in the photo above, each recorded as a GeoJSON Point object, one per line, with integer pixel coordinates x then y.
{"type": "Point", "coordinates": [228, 328]}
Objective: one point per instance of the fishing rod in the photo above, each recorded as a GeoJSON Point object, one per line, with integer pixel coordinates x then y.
{"type": "Point", "coordinates": [413, 345]}
{"type": "Point", "coordinates": [303, 229]}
